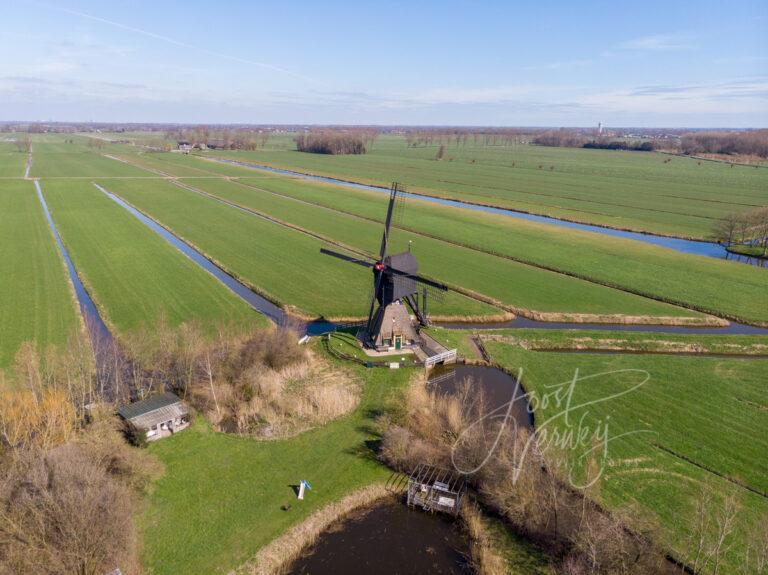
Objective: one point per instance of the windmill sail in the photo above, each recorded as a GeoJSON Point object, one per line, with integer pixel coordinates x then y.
{"type": "Point", "coordinates": [397, 286]}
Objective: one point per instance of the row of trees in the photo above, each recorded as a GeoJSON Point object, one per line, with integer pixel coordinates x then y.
{"type": "Point", "coordinates": [68, 481]}
{"type": "Point", "coordinates": [335, 141]}
{"type": "Point", "coordinates": [751, 143]}
{"type": "Point", "coordinates": [225, 138]}
{"type": "Point", "coordinates": [744, 228]}
{"type": "Point", "coordinates": [461, 136]}
{"type": "Point", "coordinates": [745, 143]}
{"type": "Point", "coordinates": [572, 139]}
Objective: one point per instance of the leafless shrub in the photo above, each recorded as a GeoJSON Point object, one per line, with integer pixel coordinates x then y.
{"type": "Point", "coordinates": [750, 143]}
{"type": "Point", "coordinates": [70, 509]}
{"type": "Point", "coordinates": [23, 143]}
{"type": "Point", "coordinates": [332, 142]}
{"type": "Point", "coordinates": [520, 483]}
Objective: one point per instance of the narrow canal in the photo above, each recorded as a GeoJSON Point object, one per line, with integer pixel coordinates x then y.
{"type": "Point", "coordinates": [277, 315]}
{"type": "Point", "coordinates": [98, 331]}
{"type": "Point", "coordinates": [699, 248]}
{"type": "Point", "coordinates": [256, 301]}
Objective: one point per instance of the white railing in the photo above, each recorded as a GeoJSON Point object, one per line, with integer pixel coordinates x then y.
{"type": "Point", "coordinates": [440, 357]}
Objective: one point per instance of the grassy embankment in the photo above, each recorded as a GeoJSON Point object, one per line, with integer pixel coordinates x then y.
{"type": "Point", "coordinates": [627, 190]}
{"type": "Point", "coordinates": [284, 264]}
{"type": "Point", "coordinates": [695, 425]}
{"type": "Point", "coordinates": [599, 340]}
{"type": "Point", "coordinates": [132, 274]}
{"type": "Point", "coordinates": [752, 251]}
{"type": "Point", "coordinates": [518, 287]}
{"type": "Point", "coordinates": [37, 302]}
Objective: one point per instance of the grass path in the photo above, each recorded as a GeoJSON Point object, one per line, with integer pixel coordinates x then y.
{"type": "Point", "coordinates": [36, 299]}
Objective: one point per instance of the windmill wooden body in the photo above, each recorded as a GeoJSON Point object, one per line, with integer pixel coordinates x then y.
{"type": "Point", "coordinates": [398, 305]}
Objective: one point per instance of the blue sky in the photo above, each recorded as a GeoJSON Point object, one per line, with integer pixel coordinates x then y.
{"type": "Point", "coordinates": [569, 63]}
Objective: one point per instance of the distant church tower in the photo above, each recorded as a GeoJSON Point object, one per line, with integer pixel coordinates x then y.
{"type": "Point", "coordinates": [599, 128]}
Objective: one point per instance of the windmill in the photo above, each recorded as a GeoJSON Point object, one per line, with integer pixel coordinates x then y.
{"type": "Point", "coordinates": [397, 286]}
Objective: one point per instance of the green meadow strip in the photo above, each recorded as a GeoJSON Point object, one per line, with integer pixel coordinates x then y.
{"type": "Point", "coordinates": [716, 286]}
{"type": "Point", "coordinates": [635, 190]}
{"type": "Point", "coordinates": [511, 283]}
{"type": "Point", "coordinates": [133, 275]}
{"type": "Point", "coordinates": [669, 439]}
{"type": "Point", "coordinates": [37, 301]}
{"type": "Point", "coordinates": [282, 264]}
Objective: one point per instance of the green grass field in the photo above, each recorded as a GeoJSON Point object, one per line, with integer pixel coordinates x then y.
{"type": "Point", "coordinates": [628, 190]}
{"type": "Point", "coordinates": [708, 411]}
{"type": "Point", "coordinates": [719, 286]}
{"type": "Point", "coordinates": [219, 500]}
{"type": "Point", "coordinates": [282, 263]}
{"type": "Point", "coordinates": [658, 273]}
{"type": "Point", "coordinates": [574, 339]}
{"type": "Point", "coordinates": [12, 162]}
{"type": "Point", "coordinates": [55, 159]}
{"type": "Point", "coordinates": [132, 274]}
{"type": "Point", "coordinates": [506, 281]}
{"type": "Point", "coordinates": [38, 302]}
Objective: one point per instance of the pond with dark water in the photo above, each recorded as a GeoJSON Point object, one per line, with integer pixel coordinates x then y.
{"type": "Point", "coordinates": [388, 539]}
{"type": "Point", "coordinates": [498, 389]}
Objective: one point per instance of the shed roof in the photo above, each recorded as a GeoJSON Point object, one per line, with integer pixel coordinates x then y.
{"type": "Point", "coordinates": [160, 407]}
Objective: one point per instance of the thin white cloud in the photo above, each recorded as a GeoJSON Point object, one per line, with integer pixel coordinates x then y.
{"type": "Point", "coordinates": [179, 43]}
{"type": "Point", "coordinates": [658, 43]}
{"type": "Point", "coordinates": [564, 65]}
{"type": "Point", "coordinates": [738, 96]}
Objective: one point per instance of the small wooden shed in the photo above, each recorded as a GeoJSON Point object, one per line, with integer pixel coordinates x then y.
{"type": "Point", "coordinates": [436, 489]}
{"type": "Point", "coordinates": [158, 416]}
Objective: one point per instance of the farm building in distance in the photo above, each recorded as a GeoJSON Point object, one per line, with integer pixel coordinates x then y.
{"type": "Point", "coordinates": [158, 416]}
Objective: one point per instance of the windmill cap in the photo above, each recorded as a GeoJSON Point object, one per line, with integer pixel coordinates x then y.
{"type": "Point", "coordinates": [404, 262]}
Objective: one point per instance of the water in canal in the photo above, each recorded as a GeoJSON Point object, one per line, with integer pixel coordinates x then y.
{"type": "Point", "coordinates": [256, 301]}
{"type": "Point", "coordinates": [98, 331]}
{"type": "Point", "coordinates": [500, 390]}
{"type": "Point", "coordinates": [699, 248]}
{"type": "Point", "coordinates": [277, 315]}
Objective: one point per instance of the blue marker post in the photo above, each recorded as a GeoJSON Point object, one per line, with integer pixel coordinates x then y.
{"type": "Point", "coordinates": [303, 484]}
